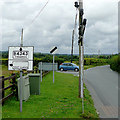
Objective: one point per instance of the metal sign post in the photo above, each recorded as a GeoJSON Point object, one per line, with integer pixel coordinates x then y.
{"type": "Point", "coordinates": [41, 70]}
{"type": "Point", "coordinates": [53, 68]}
{"type": "Point", "coordinates": [52, 51]}
{"type": "Point", "coordinates": [20, 85]}
{"type": "Point", "coordinates": [20, 58]}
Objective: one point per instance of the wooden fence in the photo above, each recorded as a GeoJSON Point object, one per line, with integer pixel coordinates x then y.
{"type": "Point", "coordinates": [12, 85]}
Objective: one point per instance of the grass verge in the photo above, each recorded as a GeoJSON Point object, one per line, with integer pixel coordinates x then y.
{"type": "Point", "coordinates": [58, 100]}
{"type": "Point", "coordinates": [5, 72]}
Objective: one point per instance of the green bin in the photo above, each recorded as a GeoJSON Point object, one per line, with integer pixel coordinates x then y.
{"type": "Point", "coordinates": [25, 88]}
{"type": "Point", "coordinates": [34, 80]}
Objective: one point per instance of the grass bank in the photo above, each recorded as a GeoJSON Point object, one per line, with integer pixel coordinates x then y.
{"type": "Point", "coordinates": [58, 100]}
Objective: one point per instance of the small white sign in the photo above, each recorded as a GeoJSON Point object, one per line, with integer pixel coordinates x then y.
{"type": "Point", "coordinates": [53, 50]}
{"type": "Point", "coordinates": [20, 58]}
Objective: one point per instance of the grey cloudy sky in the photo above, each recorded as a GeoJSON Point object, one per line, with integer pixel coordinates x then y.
{"type": "Point", "coordinates": [54, 25]}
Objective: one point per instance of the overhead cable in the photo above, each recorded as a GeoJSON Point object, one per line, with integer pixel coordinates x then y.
{"type": "Point", "coordinates": [37, 14]}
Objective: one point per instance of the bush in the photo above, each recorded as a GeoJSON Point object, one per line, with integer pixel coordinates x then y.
{"type": "Point", "coordinates": [115, 63]}
{"type": "Point", "coordinates": [4, 62]}
{"type": "Point", "coordinates": [48, 59]}
{"type": "Point", "coordinates": [95, 61]}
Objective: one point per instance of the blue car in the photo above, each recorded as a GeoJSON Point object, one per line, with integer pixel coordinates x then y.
{"type": "Point", "coordinates": [69, 66]}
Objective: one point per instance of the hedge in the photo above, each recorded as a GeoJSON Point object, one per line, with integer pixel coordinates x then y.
{"type": "Point", "coordinates": [115, 63]}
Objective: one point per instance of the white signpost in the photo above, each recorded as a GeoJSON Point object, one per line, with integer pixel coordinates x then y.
{"type": "Point", "coordinates": [53, 52]}
{"type": "Point", "coordinates": [20, 58]}
{"type": "Point", "coordinates": [41, 70]}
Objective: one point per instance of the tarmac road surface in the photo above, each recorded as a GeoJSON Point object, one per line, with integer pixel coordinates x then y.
{"type": "Point", "coordinates": [102, 83]}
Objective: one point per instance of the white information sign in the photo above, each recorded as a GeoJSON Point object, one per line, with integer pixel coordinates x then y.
{"type": "Point", "coordinates": [20, 58]}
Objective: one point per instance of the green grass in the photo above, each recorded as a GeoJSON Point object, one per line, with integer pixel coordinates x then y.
{"type": "Point", "coordinates": [58, 100]}
{"type": "Point", "coordinates": [0, 111]}
{"type": "Point", "coordinates": [91, 66]}
{"type": "Point", "coordinates": [4, 70]}
{"type": "Point", "coordinates": [88, 66]}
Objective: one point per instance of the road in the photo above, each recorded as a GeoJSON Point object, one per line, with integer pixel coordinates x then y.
{"type": "Point", "coordinates": [102, 83]}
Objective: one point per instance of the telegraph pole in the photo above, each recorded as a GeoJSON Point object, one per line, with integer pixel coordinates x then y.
{"type": "Point", "coordinates": [80, 43]}
{"type": "Point", "coordinates": [82, 25]}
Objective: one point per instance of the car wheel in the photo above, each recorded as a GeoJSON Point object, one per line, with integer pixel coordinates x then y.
{"type": "Point", "coordinates": [61, 69]}
{"type": "Point", "coordinates": [76, 69]}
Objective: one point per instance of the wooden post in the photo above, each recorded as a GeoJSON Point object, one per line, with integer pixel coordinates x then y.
{"type": "Point", "coordinates": [36, 70]}
{"type": "Point", "coordinates": [15, 88]}
{"type": "Point", "coordinates": [0, 90]}
{"type": "Point", "coordinates": [3, 93]}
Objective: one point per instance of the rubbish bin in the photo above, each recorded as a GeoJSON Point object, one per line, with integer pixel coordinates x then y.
{"type": "Point", "coordinates": [34, 80]}
{"type": "Point", "coordinates": [25, 88]}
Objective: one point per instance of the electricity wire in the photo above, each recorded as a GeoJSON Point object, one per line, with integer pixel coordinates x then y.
{"type": "Point", "coordinates": [37, 15]}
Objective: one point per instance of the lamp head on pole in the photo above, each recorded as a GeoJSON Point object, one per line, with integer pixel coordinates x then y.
{"type": "Point", "coordinates": [76, 4]}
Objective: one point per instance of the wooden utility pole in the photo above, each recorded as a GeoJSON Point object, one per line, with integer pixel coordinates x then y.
{"type": "Point", "coordinates": [82, 25]}
{"type": "Point", "coordinates": [80, 43]}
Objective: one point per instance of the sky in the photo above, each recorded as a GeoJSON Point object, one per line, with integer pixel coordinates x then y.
{"type": "Point", "coordinates": [54, 26]}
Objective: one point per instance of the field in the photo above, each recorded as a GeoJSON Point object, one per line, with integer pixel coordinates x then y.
{"type": "Point", "coordinates": [58, 100]}
{"type": "Point", "coordinates": [5, 72]}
